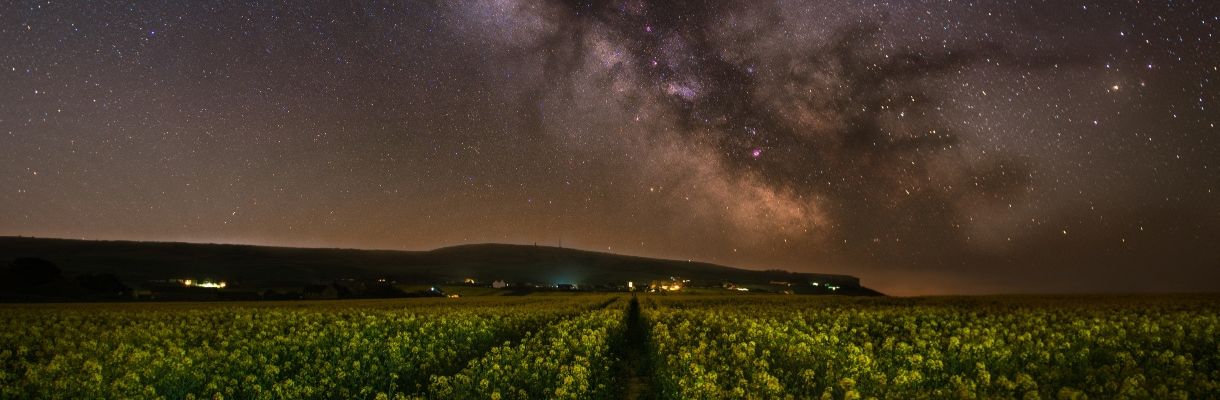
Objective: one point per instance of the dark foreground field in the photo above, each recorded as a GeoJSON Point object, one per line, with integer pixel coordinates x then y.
{"type": "Point", "coordinates": [619, 346]}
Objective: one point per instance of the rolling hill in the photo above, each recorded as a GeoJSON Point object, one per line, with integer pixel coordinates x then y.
{"type": "Point", "coordinates": [263, 267]}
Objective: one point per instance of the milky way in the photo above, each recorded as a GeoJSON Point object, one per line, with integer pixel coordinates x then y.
{"type": "Point", "coordinates": [971, 147]}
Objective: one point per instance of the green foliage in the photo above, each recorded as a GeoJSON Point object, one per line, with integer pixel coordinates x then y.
{"type": "Point", "coordinates": [571, 347]}
{"type": "Point", "coordinates": [568, 360]}
{"type": "Point", "coordinates": [247, 352]}
{"type": "Point", "coordinates": [762, 347]}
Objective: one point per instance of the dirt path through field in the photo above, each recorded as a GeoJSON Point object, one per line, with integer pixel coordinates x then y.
{"type": "Point", "coordinates": [638, 374]}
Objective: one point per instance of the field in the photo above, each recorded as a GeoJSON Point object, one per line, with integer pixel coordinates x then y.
{"type": "Point", "coordinates": [619, 346]}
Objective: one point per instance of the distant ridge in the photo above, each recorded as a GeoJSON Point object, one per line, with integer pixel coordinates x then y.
{"type": "Point", "coordinates": [266, 266]}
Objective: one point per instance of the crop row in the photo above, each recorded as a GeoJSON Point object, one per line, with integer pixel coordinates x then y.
{"type": "Point", "coordinates": [706, 348]}
{"type": "Point", "coordinates": [573, 359]}
{"type": "Point", "coordinates": [576, 347]}
{"type": "Point", "coordinates": [241, 352]}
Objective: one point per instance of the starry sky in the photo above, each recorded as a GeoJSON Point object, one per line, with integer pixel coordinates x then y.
{"type": "Point", "coordinates": [928, 147]}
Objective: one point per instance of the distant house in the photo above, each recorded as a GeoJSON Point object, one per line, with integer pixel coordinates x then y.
{"type": "Point", "coordinates": [566, 286]}
{"type": "Point", "coordinates": [834, 280]}
{"type": "Point", "coordinates": [500, 284]}
{"type": "Point", "coordinates": [660, 285]}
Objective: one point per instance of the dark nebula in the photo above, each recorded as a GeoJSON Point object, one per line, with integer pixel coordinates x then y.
{"type": "Point", "coordinates": [928, 147]}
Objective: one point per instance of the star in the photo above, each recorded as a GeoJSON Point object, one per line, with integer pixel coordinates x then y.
{"type": "Point", "coordinates": [416, 125]}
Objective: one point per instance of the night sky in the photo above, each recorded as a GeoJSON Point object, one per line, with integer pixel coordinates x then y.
{"type": "Point", "coordinates": [925, 146]}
